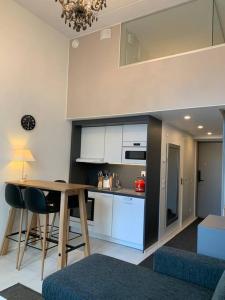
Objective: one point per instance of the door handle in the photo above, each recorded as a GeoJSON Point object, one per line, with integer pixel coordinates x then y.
{"type": "Point", "coordinates": [200, 176]}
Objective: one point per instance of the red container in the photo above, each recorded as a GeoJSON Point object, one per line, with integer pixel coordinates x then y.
{"type": "Point", "coordinates": [140, 184]}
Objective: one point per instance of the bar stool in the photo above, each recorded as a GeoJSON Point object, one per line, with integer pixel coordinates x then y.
{"type": "Point", "coordinates": [36, 202]}
{"type": "Point", "coordinates": [55, 197]}
{"type": "Point", "coordinates": [14, 198]}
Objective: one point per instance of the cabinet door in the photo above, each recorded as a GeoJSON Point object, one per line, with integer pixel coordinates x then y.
{"type": "Point", "coordinates": [135, 133]}
{"type": "Point", "coordinates": [128, 219]}
{"type": "Point", "coordinates": [93, 142]}
{"type": "Point", "coordinates": [113, 144]}
{"type": "Point", "coordinates": [103, 214]}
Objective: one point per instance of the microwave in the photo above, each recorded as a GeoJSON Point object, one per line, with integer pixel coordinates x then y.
{"type": "Point", "coordinates": [134, 153]}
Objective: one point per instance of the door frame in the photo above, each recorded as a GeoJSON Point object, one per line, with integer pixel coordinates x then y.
{"type": "Point", "coordinates": [219, 140]}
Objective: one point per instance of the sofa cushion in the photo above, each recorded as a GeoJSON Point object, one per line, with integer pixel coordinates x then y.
{"type": "Point", "coordinates": [198, 269]}
{"type": "Point", "coordinates": [100, 277]}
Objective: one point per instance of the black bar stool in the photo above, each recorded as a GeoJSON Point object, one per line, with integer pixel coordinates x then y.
{"type": "Point", "coordinates": [55, 197]}
{"type": "Point", "coordinates": [37, 203]}
{"type": "Point", "coordinates": [14, 198]}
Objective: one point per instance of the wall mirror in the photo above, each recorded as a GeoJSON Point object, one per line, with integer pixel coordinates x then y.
{"type": "Point", "coordinates": [173, 183]}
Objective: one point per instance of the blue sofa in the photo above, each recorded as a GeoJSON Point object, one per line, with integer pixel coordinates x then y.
{"type": "Point", "coordinates": [177, 274]}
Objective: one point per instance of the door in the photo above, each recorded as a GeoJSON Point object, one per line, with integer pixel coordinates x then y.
{"type": "Point", "coordinates": [113, 144]}
{"type": "Point", "coordinates": [93, 142]}
{"type": "Point", "coordinates": [128, 219]}
{"type": "Point", "coordinates": [173, 184]}
{"type": "Point", "coordinates": [103, 214]}
{"type": "Point", "coordinates": [209, 178]}
{"type": "Point", "coordinates": [135, 133]}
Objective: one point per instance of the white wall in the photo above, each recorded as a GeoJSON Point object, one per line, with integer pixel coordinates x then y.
{"type": "Point", "coordinates": [33, 80]}
{"type": "Point", "coordinates": [173, 31]}
{"type": "Point", "coordinates": [187, 172]}
{"type": "Point", "coordinates": [189, 178]}
{"type": "Point", "coordinates": [189, 80]}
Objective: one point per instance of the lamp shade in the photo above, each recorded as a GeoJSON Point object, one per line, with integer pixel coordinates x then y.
{"type": "Point", "coordinates": [23, 155]}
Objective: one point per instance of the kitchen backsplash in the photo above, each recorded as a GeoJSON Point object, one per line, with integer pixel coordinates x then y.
{"type": "Point", "coordinates": [127, 173]}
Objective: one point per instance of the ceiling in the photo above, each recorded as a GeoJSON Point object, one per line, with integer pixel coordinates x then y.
{"type": "Point", "coordinates": [117, 11]}
{"type": "Point", "coordinates": [209, 117]}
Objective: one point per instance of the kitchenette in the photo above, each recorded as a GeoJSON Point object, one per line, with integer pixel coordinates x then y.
{"type": "Point", "coordinates": [118, 157]}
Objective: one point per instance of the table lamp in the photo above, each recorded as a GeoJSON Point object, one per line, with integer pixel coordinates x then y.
{"type": "Point", "coordinates": [23, 155]}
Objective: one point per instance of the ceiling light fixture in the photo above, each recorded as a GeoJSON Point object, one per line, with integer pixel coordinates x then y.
{"type": "Point", "coordinates": [209, 133]}
{"type": "Point", "coordinates": [200, 127]}
{"type": "Point", "coordinates": [187, 117]}
{"type": "Point", "coordinates": [80, 14]}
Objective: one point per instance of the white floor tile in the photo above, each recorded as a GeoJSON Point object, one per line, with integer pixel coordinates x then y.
{"type": "Point", "coordinates": [30, 273]}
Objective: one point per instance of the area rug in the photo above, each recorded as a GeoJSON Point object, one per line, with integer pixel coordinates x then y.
{"type": "Point", "coordinates": [20, 292]}
{"type": "Point", "coordinates": [185, 240]}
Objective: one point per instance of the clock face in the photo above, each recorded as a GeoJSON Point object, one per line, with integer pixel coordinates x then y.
{"type": "Point", "coordinates": [28, 122]}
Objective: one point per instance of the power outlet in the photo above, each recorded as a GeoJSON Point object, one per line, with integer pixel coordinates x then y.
{"type": "Point", "coordinates": [143, 173]}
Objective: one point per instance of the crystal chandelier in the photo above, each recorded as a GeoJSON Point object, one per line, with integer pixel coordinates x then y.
{"type": "Point", "coordinates": [80, 14]}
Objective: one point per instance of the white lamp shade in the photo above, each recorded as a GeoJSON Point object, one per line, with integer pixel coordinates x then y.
{"type": "Point", "coordinates": [23, 155]}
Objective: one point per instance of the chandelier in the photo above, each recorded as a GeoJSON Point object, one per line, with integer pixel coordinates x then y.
{"type": "Point", "coordinates": [80, 14]}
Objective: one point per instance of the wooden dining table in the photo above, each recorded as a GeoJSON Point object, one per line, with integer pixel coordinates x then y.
{"type": "Point", "coordinates": [66, 189]}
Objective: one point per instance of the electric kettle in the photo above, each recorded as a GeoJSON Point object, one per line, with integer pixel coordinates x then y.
{"type": "Point", "coordinates": [140, 184]}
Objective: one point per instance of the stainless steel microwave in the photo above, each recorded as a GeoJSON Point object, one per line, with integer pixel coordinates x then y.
{"type": "Point", "coordinates": [134, 153]}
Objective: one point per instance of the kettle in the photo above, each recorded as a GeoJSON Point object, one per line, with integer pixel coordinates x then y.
{"type": "Point", "coordinates": [140, 184]}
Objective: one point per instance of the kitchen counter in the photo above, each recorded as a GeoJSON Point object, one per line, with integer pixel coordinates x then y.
{"type": "Point", "coordinates": [119, 191]}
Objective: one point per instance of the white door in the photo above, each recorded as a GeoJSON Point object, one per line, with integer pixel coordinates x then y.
{"type": "Point", "coordinates": [103, 214]}
{"type": "Point", "coordinates": [128, 219]}
{"type": "Point", "coordinates": [113, 144]}
{"type": "Point", "coordinates": [93, 142]}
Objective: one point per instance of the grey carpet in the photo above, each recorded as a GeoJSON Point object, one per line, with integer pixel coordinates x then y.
{"type": "Point", "coordinates": [185, 240]}
{"type": "Point", "coordinates": [20, 292]}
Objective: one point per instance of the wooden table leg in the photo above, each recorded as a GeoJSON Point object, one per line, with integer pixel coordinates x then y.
{"type": "Point", "coordinates": [8, 231]}
{"type": "Point", "coordinates": [62, 231]}
{"type": "Point", "coordinates": [83, 222]}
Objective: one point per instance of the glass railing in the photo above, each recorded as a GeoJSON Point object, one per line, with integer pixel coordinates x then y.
{"type": "Point", "coordinates": [194, 25]}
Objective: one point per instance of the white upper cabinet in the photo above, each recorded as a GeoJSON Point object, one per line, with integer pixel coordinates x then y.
{"type": "Point", "coordinates": [135, 133]}
{"type": "Point", "coordinates": [113, 144]}
{"type": "Point", "coordinates": [105, 144]}
{"type": "Point", "coordinates": [93, 143]}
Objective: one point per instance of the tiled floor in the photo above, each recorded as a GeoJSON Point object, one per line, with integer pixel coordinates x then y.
{"type": "Point", "coordinates": [30, 273]}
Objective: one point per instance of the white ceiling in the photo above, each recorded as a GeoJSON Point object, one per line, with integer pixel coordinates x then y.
{"type": "Point", "coordinates": [210, 118]}
{"type": "Point", "coordinates": [117, 11]}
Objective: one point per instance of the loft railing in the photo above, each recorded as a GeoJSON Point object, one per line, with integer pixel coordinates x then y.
{"type": "Point", "coordinates": [190, 26]}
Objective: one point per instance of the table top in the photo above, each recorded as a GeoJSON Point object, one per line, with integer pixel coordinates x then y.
{"type": "Point", "coordinates": [213, 221]}
{"type": "Point", "coordinates": [49, 185]}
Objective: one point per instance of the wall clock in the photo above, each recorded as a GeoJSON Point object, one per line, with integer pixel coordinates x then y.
{"type": "Point", "coordinates": [28, 122]}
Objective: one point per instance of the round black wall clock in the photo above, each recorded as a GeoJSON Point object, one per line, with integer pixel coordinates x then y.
{"type": "Point", "coordinates": [28, 122]}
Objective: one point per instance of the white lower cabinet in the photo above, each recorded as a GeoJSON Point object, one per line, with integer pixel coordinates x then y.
{"type": "Point", "coordinates": [103, 214]}
{"type": "Point", "coordinates": [128, 219]}
{"type": "Point", "coordinates": [118, 219]}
